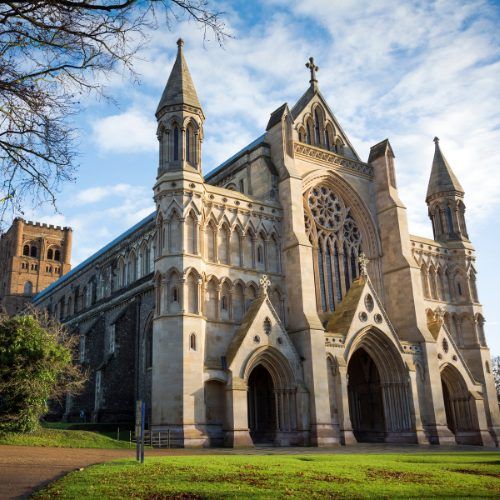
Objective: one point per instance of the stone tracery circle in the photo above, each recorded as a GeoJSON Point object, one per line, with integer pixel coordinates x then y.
{"type": "Point", "coordinates": [326, 207]}
{"type": "Point", "coordinates": [351, 232]}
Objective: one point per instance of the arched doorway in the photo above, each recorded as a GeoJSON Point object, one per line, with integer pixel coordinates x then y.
{"type": "Point", "coordinates": [379, 391]}
{"type": "Point", "coordinates": [461, 416]}
{"type": "Point", "coordinates": [365, 398]}
{"type": "Point", "coordinates": [261, 406]}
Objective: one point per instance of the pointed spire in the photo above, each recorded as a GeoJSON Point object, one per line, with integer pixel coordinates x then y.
{"type": "Point", "coordinates": [180, 87]}
{"type": "Point", "coordinates": [442, 177]}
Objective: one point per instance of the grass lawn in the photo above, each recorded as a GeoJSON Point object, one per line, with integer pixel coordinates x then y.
{"type": "Point", "coordinates": [62, 438]}
{"type": "Point", "coordinates": [296, 476]}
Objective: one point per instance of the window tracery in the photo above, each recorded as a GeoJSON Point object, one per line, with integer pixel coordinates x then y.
{"type": "Point", "coordinates": [336, 241]}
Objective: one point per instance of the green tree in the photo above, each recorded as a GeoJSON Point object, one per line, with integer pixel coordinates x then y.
{"type": "Point", "coordinates": [36, 364]}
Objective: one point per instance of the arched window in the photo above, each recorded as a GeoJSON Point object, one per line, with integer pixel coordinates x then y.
{"type": "Point", "coordinates": [235, 248]}
{"type": "Point", "coordinates": [251, 295]}
{"type": "Point", "coordinates": [192, 342]}
{"type": "Point", "coordinates": [317, 130]}
{"type": "Point", "coordinates": [26, 250]}
{"type": "Point", "coordinates": [211, 300]}
{"type": "Point", "coordinates": [223, 245]}
{"type": "Point", "coordinates": [192, 284]}
{"type": "Point", "coordinates": [188, 144]}
{"type": "Point", "coordinates": [346, 268]}
{"type": "Point", "coordinates": [175, 233]}
{"type": "Point", "coordinates": [336, 239]}
{"type": "Point", "coordinates": [238, 302]}
{"type": "Point", "coordinates": [225, 309]}
{"type": "Point", "coordinates": [449, 220]}
{"type": "Point", "coordinates": [28, 288]}
{"type": "Point", "coordinates": [210, 238]}
{"type": "Point", "coordinates": [176, 143]}
{"type": "Point", "coordinates": [308, 133]}
{"type": "Point", "coordinates": [192, 230]}
{"type": "Point", "coordinates": [50, 254]}
{"type": "Point", "coordinates": [175, 294]}
{"type": "Point", "coordinates": [57, 255]}
{"type": "Point", "coordinates": [33, 251]}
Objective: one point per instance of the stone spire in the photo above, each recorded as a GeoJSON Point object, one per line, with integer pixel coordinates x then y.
{"type": "Point", "coordinates": [445, 201]}
{"type": "Point", "coordinates": [180, 88]}
{"type": "Point", "coordinates": [442, 177]}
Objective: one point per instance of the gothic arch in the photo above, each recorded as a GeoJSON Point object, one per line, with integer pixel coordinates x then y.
{"type": "Point", "coordinates": [460, 407]}
{"type": "Point", "coordinates": [392, 415]}
{"type": "Point", "coordinates": [359, 210]}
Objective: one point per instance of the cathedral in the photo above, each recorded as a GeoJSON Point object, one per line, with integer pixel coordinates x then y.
{"type": "Point", "coordinates": [280, 299]}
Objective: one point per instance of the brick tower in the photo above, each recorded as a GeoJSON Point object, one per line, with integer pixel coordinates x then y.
{"type": "Point", "coordinates": [32, 256]}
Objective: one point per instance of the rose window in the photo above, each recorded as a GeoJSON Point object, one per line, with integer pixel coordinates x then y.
{"type": "Point", "coordinates": [326, 208]}
{"type": "Point", "coordinates": [336, 241]}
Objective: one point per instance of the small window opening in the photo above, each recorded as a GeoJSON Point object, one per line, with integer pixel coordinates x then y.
{"type": "Point", "coordinates": [175, 295]}
{"type": "Point", "coordinates": [50, 254]}
{"type": "Point", "coordinates": [192, 342]}
{"type": "Point", "coordinates": [26, 250]}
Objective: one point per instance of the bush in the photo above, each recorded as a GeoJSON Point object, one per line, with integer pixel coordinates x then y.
{"type": "Point", "coordinates": [36, 364]}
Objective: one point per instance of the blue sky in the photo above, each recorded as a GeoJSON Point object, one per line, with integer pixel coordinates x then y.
{"type": "Point", "coordinates": [406, 70]}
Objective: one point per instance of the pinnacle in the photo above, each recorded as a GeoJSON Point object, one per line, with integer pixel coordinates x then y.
{"type": "Point", "coordinates": [442, 177]}
{"type": "Point", "coordinates": [180, 88]}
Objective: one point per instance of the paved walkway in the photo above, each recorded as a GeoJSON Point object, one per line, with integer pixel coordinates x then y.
{"type": "Point", "coordinates": [26, 468]}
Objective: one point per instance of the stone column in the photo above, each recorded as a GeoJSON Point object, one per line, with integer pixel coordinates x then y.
{"type": "Point", "coordinates": [237, 434]}
{"type": "Point", "coordinates": [341, 381]}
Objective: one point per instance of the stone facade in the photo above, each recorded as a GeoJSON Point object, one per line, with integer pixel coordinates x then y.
{"type": "Point", "coordinates": [280, 297]}
{"type": "Point", "coordinates": [32, 256]}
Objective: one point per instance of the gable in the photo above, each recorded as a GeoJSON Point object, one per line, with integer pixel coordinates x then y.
{"type": "Point", "coordinates": [261, 328]}
{"type": "Point", "coordinates": [361, 309]}
{"type": "Point", "coordinates": [304, 110]}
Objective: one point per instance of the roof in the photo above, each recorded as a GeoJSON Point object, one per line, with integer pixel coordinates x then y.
{"type": "Point", "coordinates": [92, 258]}
{"type": "Point", "coordinates": [180, 87]}
{"type": "Point", "coordinates": [276, 116]}
{"type": "Point", "coordinates": [341, 319]}
{"type": "Point", "coordinates": [442, 178]}
{"type": "Point", "coordinates": [246, 149]}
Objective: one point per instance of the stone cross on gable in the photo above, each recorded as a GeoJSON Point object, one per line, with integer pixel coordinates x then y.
{"type": "Point", "coordinates": [312, 68]}
{"type": "Point", "coordinates": [363, 265]}
{"type": "Point", "coordinates": [265, 283]}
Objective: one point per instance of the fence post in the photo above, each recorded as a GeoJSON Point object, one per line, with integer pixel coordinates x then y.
{"type": "Point", "coordinates": [130, 439]}
{"type": "Point", "coordinates": [159, 439]}
{"type": "Point", "coordinates": [168, 438]}
{"type": "Point", "coordinates": [118, 434]}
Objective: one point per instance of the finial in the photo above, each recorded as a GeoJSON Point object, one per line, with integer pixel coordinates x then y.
{"type": "Point", "coordinates": [180, 43]}
{"type": "Point", "coordinates": [436, 140]}
{"type": "Point", "coordinates": [312, 68]}
{"type": "Point", "coordinates": [363, 265]}
{"type": "Point", "coordinates": [265, 283]}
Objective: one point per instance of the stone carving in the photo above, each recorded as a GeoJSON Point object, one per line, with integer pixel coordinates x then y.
{"type": "Point", "coordinates": [333, 159]}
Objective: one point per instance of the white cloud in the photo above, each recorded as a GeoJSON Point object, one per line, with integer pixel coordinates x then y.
{"type": "Point", "coordinates": [95, 194]}
{"type": "Point", "coordinates": [129, 132]}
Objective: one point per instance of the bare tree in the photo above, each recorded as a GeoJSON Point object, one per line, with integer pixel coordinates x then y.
{"type": "Point", "coordinates": [52, 52]}
{"type": "Point", "coordinates": [496, 373]}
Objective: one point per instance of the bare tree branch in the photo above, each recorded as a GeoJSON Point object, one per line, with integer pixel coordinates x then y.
{"type": "Point", "coordinates": [53, 51]}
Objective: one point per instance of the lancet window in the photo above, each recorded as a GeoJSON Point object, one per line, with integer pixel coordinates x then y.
{"type": "Point", "coordinates": [336, 241]}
